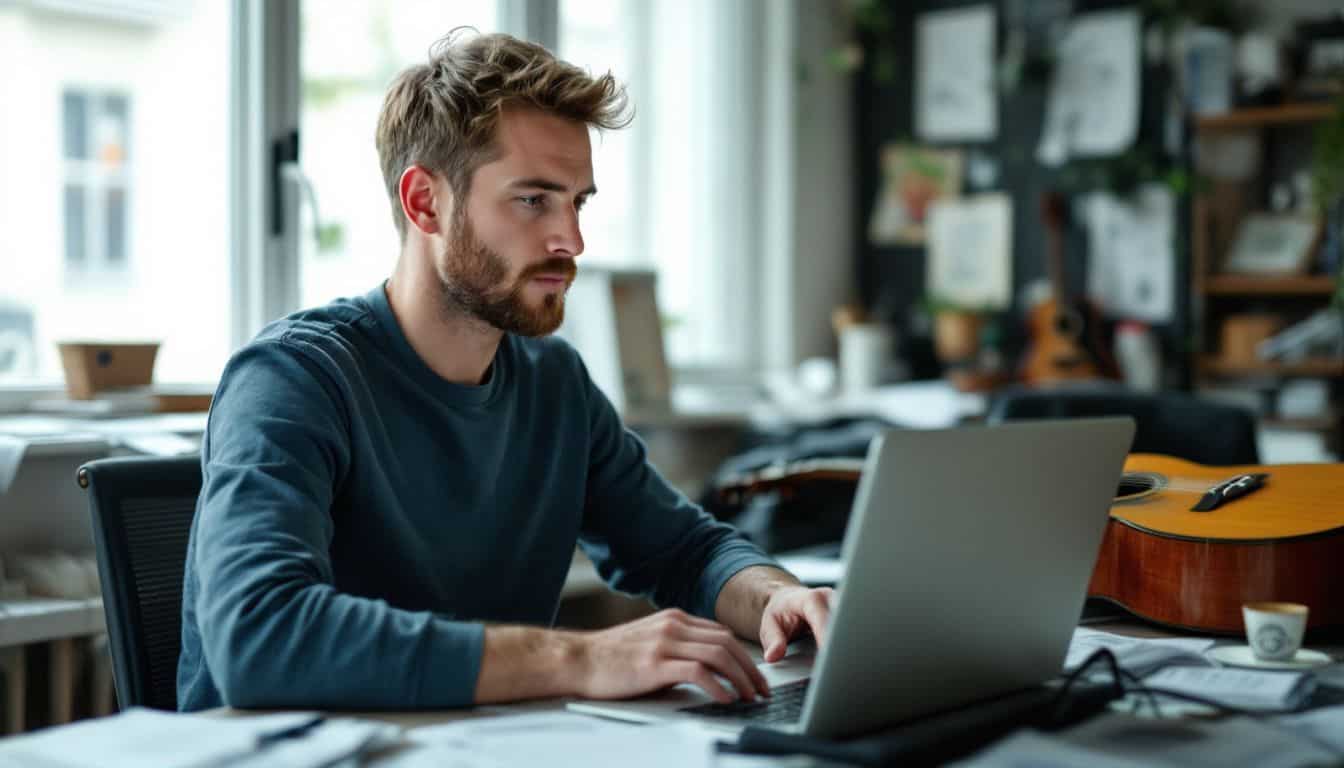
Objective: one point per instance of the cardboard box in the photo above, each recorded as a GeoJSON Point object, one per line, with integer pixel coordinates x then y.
{"type": "Point", "coordinates": [95, 366]}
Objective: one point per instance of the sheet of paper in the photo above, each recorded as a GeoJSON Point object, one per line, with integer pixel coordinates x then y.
{"type": "Point", "coordinates": [1120, 741]}
{"type": "Point", "coordinates": [815, 571]}
{"type": "Point", "coordinates": [1242, 688]}
{"type": "Point", "coordinates": [561, 739]}
{"type": "Point", "coordinates": [1093, 108]}
{"type": "Point", "coordinates": [1325, 725]}
{"type": "Point", "coordinates": [955, 97]}
{"type": "Point", "coordinates": [1135, 654]}
{"type": "Point", "coordinates": [140, 737]}
{"type": "Point", "coordinates": [970, 251]}
{"type": "Point", "coordinates": [1132, 264]}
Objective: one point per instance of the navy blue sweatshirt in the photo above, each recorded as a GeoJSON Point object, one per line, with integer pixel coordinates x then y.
{"type": "Point", "coordinates": [361, 516]}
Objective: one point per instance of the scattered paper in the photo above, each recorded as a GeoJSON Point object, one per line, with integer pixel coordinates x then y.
{"type": "Point", "coordinates": [1132, 264]}
{"type": "Point", "coordinates": [1120, 741]}
{"type": "Point", "coordinates": [141, 737]}
{"type": "Point", "coordinates": [1240, 688]}
{"type": "Point", "coordinates": [955, 98]}
{"type": "Point", "coordinates": [970, 259]}
{"type": "Point", "coordinates": [1140, 656]}
{"type": "Point", "coordinates": [562, 739]}
{"type": "Point", "coordinates": [1325, 725]}
{"type": "Point", "coordinates": [1094, 97]}
{"type": "Point", "coordinates": [815, 571]}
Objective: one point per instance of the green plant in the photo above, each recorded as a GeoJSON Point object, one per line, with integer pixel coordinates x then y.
{"type": "Point", "coordinates": [1327, 161]}
{"type": "Point", "coordinates": [1327, 185]}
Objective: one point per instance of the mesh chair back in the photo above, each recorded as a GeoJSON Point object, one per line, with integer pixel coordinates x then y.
{"type": "Point", "coordinates": [1169, 423]}
{"type": "Point", "coordinates": [142, 509]}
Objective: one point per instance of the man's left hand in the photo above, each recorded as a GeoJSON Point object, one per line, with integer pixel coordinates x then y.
{"type": "Point", "coordinates": [789, 611]}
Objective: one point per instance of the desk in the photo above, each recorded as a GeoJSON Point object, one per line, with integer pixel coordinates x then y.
{"type": "Point", "coordinates": [416, 719]}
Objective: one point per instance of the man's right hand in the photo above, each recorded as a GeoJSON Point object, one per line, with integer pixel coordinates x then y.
{"type": "Point", "coordinates": [662, 650]}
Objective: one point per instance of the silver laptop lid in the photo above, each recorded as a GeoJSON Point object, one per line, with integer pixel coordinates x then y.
{"type": "Point", "coordinates": [969, 554]}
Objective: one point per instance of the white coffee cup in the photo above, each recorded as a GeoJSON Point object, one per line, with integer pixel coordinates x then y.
{"type": "Point", "coordinates": [1274, 630]}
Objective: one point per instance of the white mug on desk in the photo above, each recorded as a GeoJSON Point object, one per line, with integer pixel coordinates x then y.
{"type": "Point", "coordinates": [865, 355]}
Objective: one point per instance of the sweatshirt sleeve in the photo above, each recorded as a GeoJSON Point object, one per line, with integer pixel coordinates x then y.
{"type": "Point", "coordinates": [274, 630]}
{"type": "Point", "coordinates": [643, 535]}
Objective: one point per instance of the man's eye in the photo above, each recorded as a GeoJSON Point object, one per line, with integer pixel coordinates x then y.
{"type": "Point", "coordinates": [531, 201]}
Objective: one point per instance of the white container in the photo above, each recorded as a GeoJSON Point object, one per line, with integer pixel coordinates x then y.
{"type": "Point", "coordinates": [866, 351]}
{"type": "Point", "coordinates": [1139, 356]}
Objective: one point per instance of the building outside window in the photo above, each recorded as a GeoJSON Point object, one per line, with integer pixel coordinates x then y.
{"type": "Point", "coordinates": [95, 126]}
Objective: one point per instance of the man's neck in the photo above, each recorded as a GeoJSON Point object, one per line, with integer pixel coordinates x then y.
{"type": "Point", "coordinates": [456, 346]}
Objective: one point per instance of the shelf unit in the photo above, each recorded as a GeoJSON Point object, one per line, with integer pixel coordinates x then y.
{"type": "Point", "coordinates": [1216, 213]}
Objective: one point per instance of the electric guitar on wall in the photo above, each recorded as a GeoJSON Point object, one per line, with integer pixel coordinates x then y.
{"type": "Point", "coordinates": [1065, 341]}
{"type": "Point", "coordinates": [1188, 544]}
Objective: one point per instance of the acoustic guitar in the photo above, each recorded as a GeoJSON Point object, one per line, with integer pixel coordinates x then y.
{"type": "Point", "coordinates": [1188, 544]}
{"type": "Point", "coordinates": [1065, 340]}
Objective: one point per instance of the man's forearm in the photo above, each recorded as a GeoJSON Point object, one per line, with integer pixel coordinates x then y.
{"type": "Point", "coordinates": [742, 600]}
{"type": "Point", "coordinates": [528, 663]}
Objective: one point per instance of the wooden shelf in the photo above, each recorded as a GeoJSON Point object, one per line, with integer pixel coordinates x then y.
{"type": "Point", "coordinates": [1312, 424]}
{"type": "Point", "coordinates": [1285, 114]}
{"type": "Point", "coordinates": [1242, 285]}
{"type": "Point", "coordinates": [1213, 366]}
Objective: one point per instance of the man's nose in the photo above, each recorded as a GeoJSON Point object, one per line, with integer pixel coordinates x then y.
{"type": "Point", "coordinates": [566, 239]}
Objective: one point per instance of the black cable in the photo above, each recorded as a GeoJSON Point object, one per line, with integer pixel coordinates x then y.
{"type": "Point", "coordinates": [1119, 678]}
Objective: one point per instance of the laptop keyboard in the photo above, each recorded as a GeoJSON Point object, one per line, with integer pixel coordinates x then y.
{"type": "Point", "coordinates": [785, 705]}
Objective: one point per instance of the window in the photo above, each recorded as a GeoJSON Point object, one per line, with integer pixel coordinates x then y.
{"type": "Point", "coordinates": [676, 188]}
{"type": "Point", "coordinates": [95, 127]}
{"type": "Point", "coordinates": [114, 183]}
{"type": "Point", "coordinates": [347, 61]}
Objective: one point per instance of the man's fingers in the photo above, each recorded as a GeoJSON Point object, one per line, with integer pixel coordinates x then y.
{"type": "Point", "coordinates": [721, 662]}
{"type": "Point", "coordinates": [725, 639]}
{"type": "Point", "coordinates": [698, 674]}
{"type": "Point", "coordinates": [817, 612]}
{"type": "Point", "coordinates": [774, 638]}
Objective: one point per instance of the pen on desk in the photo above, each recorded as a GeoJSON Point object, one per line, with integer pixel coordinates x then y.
{"type": "Point", "coordinates": [293, 731]}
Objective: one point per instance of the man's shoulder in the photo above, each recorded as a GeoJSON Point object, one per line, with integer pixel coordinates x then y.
{"type": "Point", "coordinates": [329, 338]}
{"type": "Point", "coordinates": [342, 322]}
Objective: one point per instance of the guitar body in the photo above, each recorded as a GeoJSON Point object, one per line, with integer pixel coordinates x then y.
{"type": "Point", "coordinates": [1064, 345]}
{"type": "Point", "coordinates": [1065, 340]}
{"type": "Point", "coordinates": [1194, 570]}
{"type": "Point", "coordinates": [1161, 561]}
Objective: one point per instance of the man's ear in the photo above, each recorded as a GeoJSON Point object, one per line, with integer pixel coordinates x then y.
{"type": "Point", "coordinates": [420, 191]}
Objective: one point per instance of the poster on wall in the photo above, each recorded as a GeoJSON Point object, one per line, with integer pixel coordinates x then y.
{"type": "Point", "coordinates": [1132, 262]}
{"type": "Point", "coordinates": [954, 75]}
{"type": "Point", "coordinates": [971, 252]}
{"type": "Point", "coordinates": [913, 178]}
{"type": "Point", "coordinates": [1093, 108]}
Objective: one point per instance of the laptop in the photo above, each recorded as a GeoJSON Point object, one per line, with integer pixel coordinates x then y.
{"type": "Point", "coordinates": [969, 552]}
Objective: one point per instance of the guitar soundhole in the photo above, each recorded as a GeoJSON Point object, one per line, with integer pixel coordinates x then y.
{"type": "Point", "coordinates": [1136, 485]}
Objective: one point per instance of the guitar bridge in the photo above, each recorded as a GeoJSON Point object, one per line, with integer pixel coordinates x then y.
{"type": "Point", "coordinates": [1228, 490]}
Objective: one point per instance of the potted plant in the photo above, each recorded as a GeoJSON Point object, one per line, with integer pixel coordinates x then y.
{"type": "Point", "coordinates": [1327, 176]}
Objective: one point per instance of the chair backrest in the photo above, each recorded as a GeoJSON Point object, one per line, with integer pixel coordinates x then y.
{"type": "Point", "coordinates": [142, 509]}
{"type": "Point", "coordinates": [1170, 423]}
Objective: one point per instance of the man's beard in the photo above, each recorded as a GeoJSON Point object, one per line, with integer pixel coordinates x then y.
{"type": "Point", "coordinates": [472, 277]}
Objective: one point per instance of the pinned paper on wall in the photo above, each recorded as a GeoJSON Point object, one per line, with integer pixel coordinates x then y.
{"type": "Point", "coordinates": [912, 179]}
{"type": "Point", "coordinates": [970, 251]}
{"type": "Point", "coordinates": [954, 87]}
{"type": "Point", "coordinates": [1094, 95]}
{"type": "Point", "coordinates": [1132, 264]}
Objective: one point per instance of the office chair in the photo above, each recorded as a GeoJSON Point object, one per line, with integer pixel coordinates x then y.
{"type": "Point", "coordinates": [142, 509]}
{"type": "Point", "coordinates": [1169, 423]}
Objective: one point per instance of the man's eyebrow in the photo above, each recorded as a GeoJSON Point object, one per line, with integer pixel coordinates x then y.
{"type": "Point", "coordinates": [551, 186]}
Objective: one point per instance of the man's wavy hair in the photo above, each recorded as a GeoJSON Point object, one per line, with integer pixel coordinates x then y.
{"type": "Point", "coordinates": [442, 114]}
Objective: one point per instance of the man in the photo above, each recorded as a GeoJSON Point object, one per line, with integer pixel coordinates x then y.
{"type": "Point", "coordinates": [394, 484]}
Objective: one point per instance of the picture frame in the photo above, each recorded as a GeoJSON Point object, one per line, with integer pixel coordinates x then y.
{"type": "Point", "coordinates": [1273, 244]}
{"type": "Point", "coordinates": [913, 178]}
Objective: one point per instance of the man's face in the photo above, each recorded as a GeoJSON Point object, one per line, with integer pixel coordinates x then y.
{"type": "Point", "coordinates": [509, 255]}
